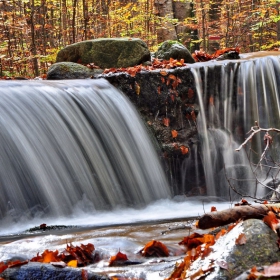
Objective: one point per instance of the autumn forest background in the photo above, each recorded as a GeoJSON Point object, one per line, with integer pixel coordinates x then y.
{"type": "Point", "coordinates": [33, 31]}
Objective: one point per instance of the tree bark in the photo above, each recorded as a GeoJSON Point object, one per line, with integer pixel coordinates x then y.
{"type": "Point", "coordinates": [224, 217]}
{"type": "Point", "coordinates": [165, 12]}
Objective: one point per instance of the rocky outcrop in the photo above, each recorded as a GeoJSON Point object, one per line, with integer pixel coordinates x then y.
{"type": "Point", "coordinates": [175, 50]}
{"type": "Point", "coordinates": [107, 52]}
{"type": "Point", "coordinates": [230, 258]}
{"type": "Point", "coordinates": [69, 70]}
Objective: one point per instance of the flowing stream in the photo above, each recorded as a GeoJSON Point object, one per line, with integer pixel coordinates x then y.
{"type": "Point", "coordinates": [78, 149]}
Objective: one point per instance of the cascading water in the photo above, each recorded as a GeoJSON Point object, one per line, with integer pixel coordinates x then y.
{"type": "Point", "coordinates": [231, 97]}
{"type": "Point", "coordinates": [70, 142]}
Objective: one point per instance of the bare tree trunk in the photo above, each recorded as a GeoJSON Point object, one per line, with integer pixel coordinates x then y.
{"type": "Point", "coordinates": [167, 30]}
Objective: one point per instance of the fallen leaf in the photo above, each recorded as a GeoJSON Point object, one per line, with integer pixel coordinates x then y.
{"type": "Point", "coordinates": [184, 149]}
{"type": "Point", "coordinates": [166, 121]}
{"type": "Point", "coordinates": [221, 233]}
{"type": "Point", "coordinates": [155, 248]}
{"type": "Point", "coordinates": [213, 209]}
{"type": "Point", "coordinates": [271, 220]}
{"type": "Point", "coordinates": [241, 239]}
{"type": "Point", "coordinates": [137, 88]}
{"type": "Point", "coordinates": [3, 267]}
{"type": "Point", "coordinates": [174, 133]}
{"type": "Point", "coordinates": [272, 270]}
{"type": "Point", "coordinates": [73, 263]}
{"type": "Point", "coordinates": [84, 274]}
{"type": "Point", "coordinates": [163, 73]}
{"type": "Point", "coordinates": [118, 257]}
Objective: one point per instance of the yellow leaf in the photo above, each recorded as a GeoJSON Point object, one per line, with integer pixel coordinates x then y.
{"type": "Point", "coordinates": [73, 263]}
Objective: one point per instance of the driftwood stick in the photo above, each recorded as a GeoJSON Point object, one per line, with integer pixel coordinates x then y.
{"type": "Point", "coordinates": [224, 217]}
{"type": "Point", "coordinates": [254, 131]}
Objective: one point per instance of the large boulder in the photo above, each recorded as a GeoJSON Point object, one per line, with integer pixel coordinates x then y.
{"type": "Point", "coordinates": [107, 53]}
{"type": "Point", "coordinates": [230, 258]}
{"type": "Point", "coordinates": [174, 49]}
{"type": "Point", "coordinates": [35, 271]}
{"type": "Point", "coordinates": [69, 70]}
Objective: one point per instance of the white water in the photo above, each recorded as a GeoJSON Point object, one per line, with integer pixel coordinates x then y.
{"type": "Point", "coordinates": [61, 142]}
{"type": "Point", "coordinates": [231, 98]}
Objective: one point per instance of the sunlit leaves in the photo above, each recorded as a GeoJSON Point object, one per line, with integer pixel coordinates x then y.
{"type": "Point", "coordinates": [155, 248]}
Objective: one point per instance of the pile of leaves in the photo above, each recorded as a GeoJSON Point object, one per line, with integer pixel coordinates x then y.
{"type": "Point", "coordinates": [201, 55]}
{"type": "Point", "coordinates": [155, 64]}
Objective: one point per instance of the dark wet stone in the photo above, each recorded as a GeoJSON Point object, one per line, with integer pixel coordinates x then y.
{"type": "Point", "coordinates": [36, 271]}
{"type": "Point", "coordinates": [69, 70]}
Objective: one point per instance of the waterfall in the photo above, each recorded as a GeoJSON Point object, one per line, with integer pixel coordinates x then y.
{"type": "Point", "coordinates": [231, 97]}
{"type": "Point", "coordinates": [73, 142]}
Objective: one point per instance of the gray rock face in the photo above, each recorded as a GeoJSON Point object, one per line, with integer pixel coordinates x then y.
{"type": "Point", "coordinates": [107, 53]}
{"type": "Point", "coordinates": [35, 271]}
{"type": "Point", "coordinates": [68, 70]}
{"type": "Point", "coordinates": [171, 49]}
{"type": "Point", "coordinates": [260, 249]}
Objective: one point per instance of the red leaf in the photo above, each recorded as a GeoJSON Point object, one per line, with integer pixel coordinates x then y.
{"type": "Point", "coordinates": [174, 133]}
{"type": "Point", "coordinates": [213, 209]}
{"type": "Point", "coordinates": [271, 220]}
{"type": "Point", "coordinates": [120, 257]}
{"type": "Point", "coordinates": [155, 248]}
{"type": "Point", "coordinates": [166, 121]}
{"type": "Point", "coordinates": [3, 267]}
{"type": "Point", "coordinates": [241, 239]}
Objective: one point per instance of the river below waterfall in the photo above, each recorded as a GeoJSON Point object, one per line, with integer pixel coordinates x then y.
{"type": "Point", "coordinates": [125, 230]}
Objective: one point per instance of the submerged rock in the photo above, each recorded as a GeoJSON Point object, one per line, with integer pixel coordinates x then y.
{"type": "Point", "coordinates": [107, 52]}
{"type": "Point", "coordinates": [35, 271]}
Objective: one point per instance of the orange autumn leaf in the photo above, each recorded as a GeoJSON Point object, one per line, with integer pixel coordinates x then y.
{"type": "Point", "coordinates": [84, 274]}
{"type": "Point", "coordinates": [163, 73]}
{"type": "Point", "coordinates": [271, 220]}
{"type": "Point", "coordinates": [172, 77]}
{"type": "Point", "coordinates": [50, 256]}
{"type": "Point", "coordinates": [73, 263]}
{"type": "Point", "coordinates": [213, 209]}
{"type": "Point", "coordinates": [3, 267]}
{"type": "Point", "coordinates": [178, 271]}
{"type": "Point", "coordinates": [137, 88]}
{"type": "Point", "coordinates": [184, 149]}
{"type": "Point", "coordinates": [221, 233]}
{"type": "Point", "coordinates": [241, 239]}
{"type": "Point", "coordinates": [155, 248]}
{"type": "Point", "coordinates": [174, 133]}
{"type": "Point", "coordinates": [166, 121]}
{"type": "Point", "coordinates": [192, 240]}
{"type": "Point", "coordinates": [118, 257]}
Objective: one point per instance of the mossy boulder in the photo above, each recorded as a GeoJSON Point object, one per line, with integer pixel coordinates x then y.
{"type": "Point", "coordinates": [69, 70]}
{"type": "Point", "coordinates": [232, 258]}
{"type": "Point", "coordinates": [173, 49]}
{"type": "Point", "coordinates": [107, 52]}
